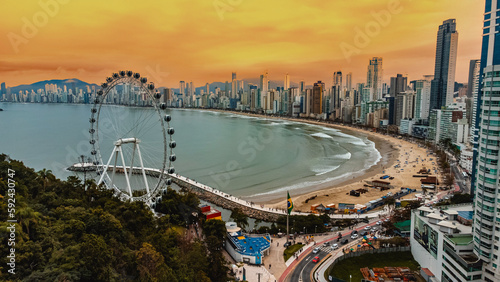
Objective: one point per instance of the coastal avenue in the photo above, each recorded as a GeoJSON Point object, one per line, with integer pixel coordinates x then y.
{"type": "Point", "coordinates": [153, 171]}
{"type": "Point", "coordinates": [303, 268]}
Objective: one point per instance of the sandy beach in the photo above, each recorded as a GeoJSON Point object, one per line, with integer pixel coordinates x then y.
{"type": "Point", "coordinates": [400, 159]}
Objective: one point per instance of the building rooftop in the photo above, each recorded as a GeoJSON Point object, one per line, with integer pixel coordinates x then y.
{"type": "Point", "coordinates": [252, 246]}
{"type": "Point", "coordinates": [442, 213]}
{"type": "Point", "coordinates": [460, 239]}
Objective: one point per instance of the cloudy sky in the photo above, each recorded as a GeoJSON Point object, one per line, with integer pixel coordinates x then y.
{"type": "Point", "coordinates": [205, 40]}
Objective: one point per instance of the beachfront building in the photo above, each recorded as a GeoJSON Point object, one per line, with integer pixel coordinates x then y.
{"type": "Point", "coordinates": [485, 180]}
{"type": "Point", "coordinates": [441, 240]}
{"type": "Point", "coordinates": [245, 247]}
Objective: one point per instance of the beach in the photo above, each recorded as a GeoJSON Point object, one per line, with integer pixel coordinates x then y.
{"type": "Point", "coordinates": [407, 156]}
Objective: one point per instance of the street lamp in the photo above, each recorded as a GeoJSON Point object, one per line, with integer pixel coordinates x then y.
{"type": "Point", "coordinates": [350, 276]}
{"type": "Point", "coordinates": [315, 229]}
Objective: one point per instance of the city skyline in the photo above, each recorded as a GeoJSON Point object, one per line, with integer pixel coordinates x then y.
{"type": "Point", "coordinates": [207, 41]}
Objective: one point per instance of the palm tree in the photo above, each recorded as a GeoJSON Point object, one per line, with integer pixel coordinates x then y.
{"type": "Point", "coordinates": [27, 215]}
{"type": "Point", "coordinates": [45, 175]}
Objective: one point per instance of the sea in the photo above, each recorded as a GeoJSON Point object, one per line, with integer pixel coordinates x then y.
{"type": "Point", "coordinates": [256, 158]}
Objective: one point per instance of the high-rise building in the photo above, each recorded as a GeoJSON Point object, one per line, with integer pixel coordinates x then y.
{"type": "Point", "coordinates": [374, 78]}
{"type": "Point", "coordinates": [485, 184]}
{"type": "Point", "coordinates": [191, 89]}
{"type": "Point", "coordinates": [348, 81]}
{"type": "Point", "coordinates": [317, 97]}
{"type": "Point", "coordinates": [442, 87]}
{"type": "Point", "coordinates": [286, 83]}
{"type": "Point", "coordinates": [207, 88]}
{"type": "Point", "coordinates": [423, 96]}
{"type": "Point", "coordinates": [234, 85]}
{"type": "Point", "coordinates": [182, 88]}
{"type": "Point", "coordinates": [473, 76]}
{"type": "Point", "coordinates": [264, 84]}
{"type": "Point", "coordinates": [302, 87]}
{"type": "Point", "coordinates": [3, 89]}
{"type": "Point", "coordinates": [398, 85]}
{"type": "Point", "coordinates": [473, 88]}
{"type": "Point", "coordinates": [336, 93]}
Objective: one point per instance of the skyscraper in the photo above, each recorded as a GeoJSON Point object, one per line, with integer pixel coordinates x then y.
{"type": "Point", "coordinates": [442, 87]}
{"type": "Point", "coordinates": [317, 97]}
{"type": "Point", "coordinates": [234, 85]}
{"type": "Point", "coordinates": [286, 84]}
{"type": "Point", "coordinates": [473, 87]}
{"type": "Point", "coordinates": [473, 76]}
{"type": "Point", "coordinates": [398, 85]}
{"type": "Point", "coordinates": [182, 90]}
{"type": "Point", "coordinates": [336, 94]}
{"type": "Point", "coordinates": [348, 81]}
{"type": "Point", "coordinates": [374, 78]}
{"type": "Point", "coordinates": [486, 168]}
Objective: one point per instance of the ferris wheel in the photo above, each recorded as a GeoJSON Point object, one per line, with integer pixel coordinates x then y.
{"type": "Point", "coordinates": [130, 129]}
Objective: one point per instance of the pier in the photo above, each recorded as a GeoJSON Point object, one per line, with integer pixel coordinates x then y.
{"type": "Point", "coordinates": [225, 200]}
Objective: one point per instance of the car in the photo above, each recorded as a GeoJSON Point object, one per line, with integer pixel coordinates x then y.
{"type": "Point", "coordinates": [374, 229]}
{"type": "Point", "coordinates": [354, 236]}
{"type": "Point", "coordinates": [316, 250]}
{"type": "Point", "coordinates": [379, 222]}
{"type": "Point", "coordinates": [334, 246]}
{"type": "Point", "coordinates": [344, 241]}
{"type": "Point", "coordinates": [326, 244]}
{"type": "Point", "coordinates": [387, 220]}
{"type": "Point", "coordinates": [364, 233]}
{"type": "Point", "coordinates": [287, 244]}
{"type": "Point", "coordinates": [367, 228]}
{"type": "Point", "coordinates": [354, 232]}
{"type": "Point", "coordinates": [315, 259]}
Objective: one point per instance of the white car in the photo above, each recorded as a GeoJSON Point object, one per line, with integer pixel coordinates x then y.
{"type": "Point", "coordinates": [374, 229]}
{"type": "Point", "coordinates": [354, 236]}
{"type": "Point", "coordinates": [334, 246]}
{"type": "Point", "coordinates": [379, 222]}
{"type": "Point", "coordinates": [316, 250]}
{"type": "Point", "coordinates": [367, 228]}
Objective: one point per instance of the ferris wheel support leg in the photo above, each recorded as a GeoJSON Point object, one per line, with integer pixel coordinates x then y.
{"type": "Point", "coordinates": [143, 171]}
{"type": "Point", "coordinates": [114, 167]}
{"type": "Point", "coordinates": [126, 174]}
{"type": "Point", "coordinates": [105, 170]}
{"type": "Point", "coordinates": [132, 162]}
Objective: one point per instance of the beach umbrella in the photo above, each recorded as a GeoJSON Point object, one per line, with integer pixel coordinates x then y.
{"type": "Point", "coordinates": [352, 249]}
{"type": "Point", "coordinates": [369, 243]}
{"type": "Point", "coordinates": [359, 246]}
{"type": "Point", "coordinates": [375, 238]}
{"type": "Point", "coordinates": [365, 244]}
{"type": "Point", "coordinates": [363, 240]}
{"type": "Point", "coordinates": [370, 239]}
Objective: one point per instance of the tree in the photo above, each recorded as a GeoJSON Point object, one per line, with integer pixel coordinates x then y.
{"type": "Point", "coordinates": [46, 176]}
{"type": "Point", "coordinates": [150, 264]}
{"type": "Point", "coordinates": [240, 218]}
{"type": "Point", "coordinates": [96, 257]}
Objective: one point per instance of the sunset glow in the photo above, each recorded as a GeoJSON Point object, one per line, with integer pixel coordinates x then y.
{"type": "Point", "coordinates": [204, 41]}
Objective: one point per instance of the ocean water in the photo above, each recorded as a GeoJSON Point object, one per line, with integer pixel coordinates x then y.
{"type": "Point", "coordinates": [257, 159]}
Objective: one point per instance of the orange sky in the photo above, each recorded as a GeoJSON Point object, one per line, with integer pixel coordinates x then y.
{"type": "Point", "coordinates": [205, 40]}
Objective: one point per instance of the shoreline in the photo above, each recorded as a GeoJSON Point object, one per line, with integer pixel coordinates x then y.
{"type": "Point", "coordinates": [391, 152]}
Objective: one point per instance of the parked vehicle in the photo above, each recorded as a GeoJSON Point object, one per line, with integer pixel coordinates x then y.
{"type": "Point", "coordinates": [344, 241]}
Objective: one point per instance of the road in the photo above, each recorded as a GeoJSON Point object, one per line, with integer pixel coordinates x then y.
{"type": "Point", "coordinates": [460, 180]}
{"type": "Point", "coordinates": [302, 270]}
